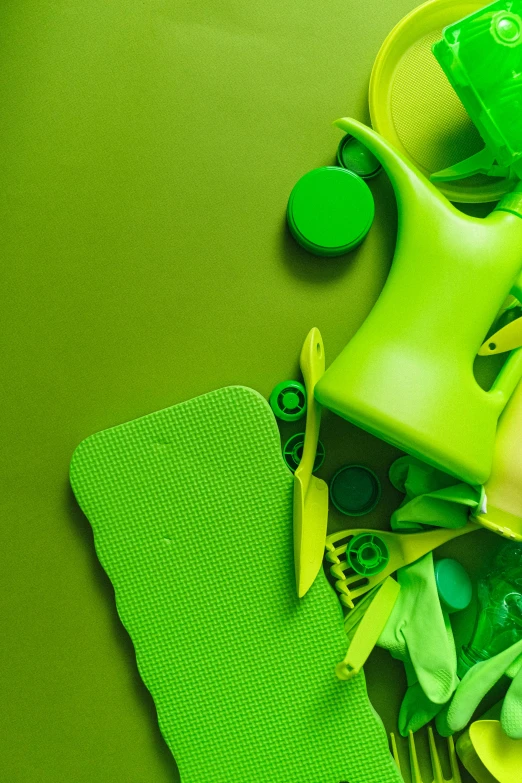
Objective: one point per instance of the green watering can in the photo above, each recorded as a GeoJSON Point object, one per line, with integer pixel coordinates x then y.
{"type": "Point", "coordinates": [407, 374]}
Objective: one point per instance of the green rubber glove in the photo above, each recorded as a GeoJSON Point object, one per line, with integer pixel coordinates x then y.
{"type": "Point", "coordinates": [419, 634]}
{"type": "Point", "coordinates": [432, 497]}
{"type": "Point", "coordinates": [474, 686]}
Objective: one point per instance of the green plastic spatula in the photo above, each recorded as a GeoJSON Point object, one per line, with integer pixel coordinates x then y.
{"type": "Point", "coordinates": [310, 493]}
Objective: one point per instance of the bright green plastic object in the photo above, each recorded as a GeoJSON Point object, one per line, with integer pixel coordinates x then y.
{"type": "Point", "coordinates": [293, 451]}
{"type": "Point", "coordinates": [354, 156]}
{"type": "Point", "coordinates": [191, 509]}
{"type": "Point", "coordinates": [288, 401]}
{"type": "Point", "coordinates": [368, 554]}
{"type": "Point", "coordinates": [355, 490]}
{"type": "Point", "coordinates": [482, 57]}
{"type": "Point", "coordinates": [330, 211]}
{"type": "Point", "coordinates": [419, 634]}
{"type": "Point", "coordinates": [453, 585]}
{"type": "Point", "coordinates": [407, 374]}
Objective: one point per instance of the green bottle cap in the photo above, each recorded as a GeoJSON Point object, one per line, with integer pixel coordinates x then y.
{"type": "Point", "coordinates": [355, 490]}
{"type": "Point", "coordinates": [330, 211]}
{"type": "Point", "coordinates": [353, 155]}
{"type": "Point", "coordinates": [453, 585]}
{"type": "Point", "coordinates": [288, 400]}
{"type": "Point", "coordinates": [293, 452]}
{"type": "Point", "coordinates": [367, 554]}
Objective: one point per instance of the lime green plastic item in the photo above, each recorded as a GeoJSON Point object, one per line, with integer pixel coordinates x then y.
{"type": "Point", "coordinates": [330, 211]}
{"type": "Point", "coordinates": [191, 509]}
{"type": "Point", "coordinates": [503, 512]}
{"type": "Point", "coordinates": [367, 554]}
{"type": "Point", "coordinates": [482, 57]}
{"type": "Point", "coordinates": [489, 754]}
{"type": "Point", "coordinates": [355, 490]}
{"type": "Point", "coordinates": [310, 492]}
{"type": "Point", "coordinates": [369, 629]}
{"type": "Point", "coordinates": [415, 773]}
{"type": "Point", "coordinates": [407, 374]}
{"type": "Point", "coordinates": [453, 585]}
{"type": "Point", "coordinates": [354, 156]}
{"type": "Point", "coordinates": [288, 401]}
{"type": "Point", "coordinates": [419, 634]}
{"type": "Point", "coordinates": [403, 548]}
{"type": "Point", "coordinates": [293, 452]}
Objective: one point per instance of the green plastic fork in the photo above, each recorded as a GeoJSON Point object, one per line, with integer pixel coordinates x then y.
{"type": "Point", "coordinates": [415, 773]}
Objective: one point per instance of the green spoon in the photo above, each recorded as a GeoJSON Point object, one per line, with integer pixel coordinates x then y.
{"type": "Point", "coordinates": [310, 493]}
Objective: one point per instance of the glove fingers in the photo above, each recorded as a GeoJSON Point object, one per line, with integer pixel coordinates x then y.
{"type": "Point", "coordinates": [511, 715]}
{"type": "Point", "coordinates": [474, 686]}
{"type": "Point", "coordinates": [416, 710]}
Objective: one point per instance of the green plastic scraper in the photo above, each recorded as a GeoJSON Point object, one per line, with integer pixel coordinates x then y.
{"type": "Point", "coordinates": [310, 493]}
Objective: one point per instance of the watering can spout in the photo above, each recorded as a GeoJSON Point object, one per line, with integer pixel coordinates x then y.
{"type": "Point", "coordinates": [414, 193]}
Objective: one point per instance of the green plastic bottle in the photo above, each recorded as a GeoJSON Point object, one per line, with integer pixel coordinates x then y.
{"type": "Point", "coordinates": [499, 617]}
{"type": "Point", "coordinates": [407, 374]}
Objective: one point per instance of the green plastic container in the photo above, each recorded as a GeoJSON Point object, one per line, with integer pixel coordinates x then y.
{"type": "Point", "coordinates": [407, 374]}
{"type": "Point", "coordinates": [481, 56]}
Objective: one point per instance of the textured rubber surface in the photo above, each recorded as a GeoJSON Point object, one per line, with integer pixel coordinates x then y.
{"type": "Point", "coordinates": [192, 514]}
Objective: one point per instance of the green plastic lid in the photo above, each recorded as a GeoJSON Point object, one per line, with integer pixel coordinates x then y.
{"type": "Point", "coordinates": [368, 554]}
{"type": "Point", "coordinates": [453, 585]}
{"type": "Point", "coordinates": [293, 452]}
{"type": "Point", "coordinates": [353, 155]}
{"type": "Point", "coordinates": [355, 490]}
{"type": "Point", "coordinates": [288, 400]}
{"type": "Point", "coordinates": [330, 211]}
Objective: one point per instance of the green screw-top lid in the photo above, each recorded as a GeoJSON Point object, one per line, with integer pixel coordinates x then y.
{"type": "Point", "coordinates": [293, 452]}
{"type": "Point", "coordinates": [355, 490]}
{"type": "Point", "coordinates": [355, 156]}
{"type": "Point", "coordinates": [330, 211]}
{"type": "Point", "coordinates": [367, 554]}
{"type": "Point", "coordinates": [453, 585]}
{"type": "Point", "coordinates": [288, 400]}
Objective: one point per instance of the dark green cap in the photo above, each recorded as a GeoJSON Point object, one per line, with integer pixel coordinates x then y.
{"type": "Point", "coordinates": [355, 490]}
{"type": "Point", "coordinates": [355, 156]}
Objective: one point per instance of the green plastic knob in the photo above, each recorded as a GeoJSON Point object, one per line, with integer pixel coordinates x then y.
{"type": "Point", "coordinates": [355, 156]}
{"type": "Point", "coordinates": [453, 585]}
{"type": "Point", "coordinates": [355, 490]}
{"type": "Point", "coordinates": [367, 554]}
{"type": "Point", "coordinates": [330, 211]}
{"type": "Point", "coordinates": [288, 400]}
{"type": "Point", "coordinates": [293, 452]}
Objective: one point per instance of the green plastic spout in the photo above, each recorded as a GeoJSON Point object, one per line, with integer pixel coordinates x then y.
{"type": "Point", "coordinates": [407, 374]}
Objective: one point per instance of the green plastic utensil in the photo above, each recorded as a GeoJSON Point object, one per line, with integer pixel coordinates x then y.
{"type": "Point", "coordinates": [385, 552]}
{"type": "Point", "coordinates": [415, 773]}
{"type": "Point", "coordinates": [310, 493]}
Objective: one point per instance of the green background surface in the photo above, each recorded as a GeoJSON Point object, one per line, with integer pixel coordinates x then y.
{"type": "Point", "coordinates": [148, 149]}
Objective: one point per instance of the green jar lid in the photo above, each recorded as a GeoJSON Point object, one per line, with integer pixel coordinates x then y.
{"type": "Point", "coordinates": [353, 155]}
{"type": "Point", "coordinates": [355, 490]}
{"type": "Point", "coordinates": [288, 400]}
{"type": "Point", "coordinates": [453, 585]}
{"type": "Point", "coordinates": [330, 211]}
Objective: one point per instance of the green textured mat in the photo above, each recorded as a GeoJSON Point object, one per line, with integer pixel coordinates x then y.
{"type": "Point", "coordinates": [192, 515]}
